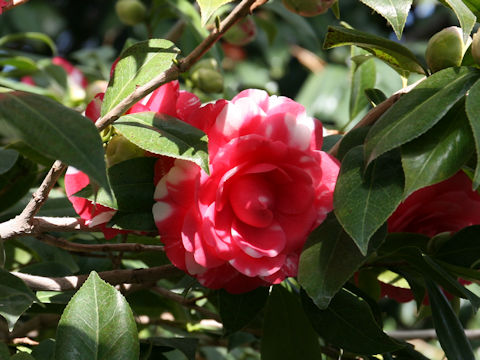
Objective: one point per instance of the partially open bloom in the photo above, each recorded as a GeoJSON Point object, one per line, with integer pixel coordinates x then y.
{"type": "Point", "coordinates": [244, 224]}
{"type": "Point", "coordinates": [167, 99]}
{"type": "Point", "coordinates": [448, 206]}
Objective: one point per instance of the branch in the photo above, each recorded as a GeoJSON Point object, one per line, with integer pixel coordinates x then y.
{"type": "Point", "coordinates": [113, 277]}
{"type": "Point", "coordinates": [23, 223]}
{"type": "Point", "coordinates": [374, 114]}
{"type": "Point", "coordinates": [14, 3]}
{"type": "Point", "coordinates": [240, 11]}
{"type": "Point", "coordinates": [75, 247]}
{"type": "Point", "coordinates": [427, 334]}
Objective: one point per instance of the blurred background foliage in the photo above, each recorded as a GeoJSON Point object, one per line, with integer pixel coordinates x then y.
{"type": "Point", "coordinates": [285, 58]}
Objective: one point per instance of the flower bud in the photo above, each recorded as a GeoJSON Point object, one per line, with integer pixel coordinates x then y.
{"type": "Point", "coordinates": [208, 80]}
{"type": "Point", "coordinates": [120, 149]}
{"type": "Point", "coordinates": [446, 49]}
{"type": "Point", "coordinates": [130, 12]}
{"type": "Point", "coordinates": [308, 7]}
{"type": "Point", "coordinates": [476, 47]}
{"type": "Point", "coordinates": [209, 63]}
{"type": "Point", "coordinates": [242, 33]}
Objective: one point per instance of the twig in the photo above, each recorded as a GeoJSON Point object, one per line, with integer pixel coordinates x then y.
{"type": "Point", "coordinates": [23, 224]}
{"type": "Point", "coordinates": [75, 247]}
{"type": "Point", "coordinates": [14, 3]}
{"type": "Point", "coordinates": [427, 334]}
{"type": "Point", "coordinates": [241, 10]}
{"type": "Point", "coordinates": [185, 302]}
{"type": "Point", "coordinates": [114, 277]}
{"type": "Point", "coordinates": [374, 114]}
{"type": "Point", "coordinates": [40, 321]}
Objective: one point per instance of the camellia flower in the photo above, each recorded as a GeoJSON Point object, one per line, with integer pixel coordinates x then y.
{"type": "Point", "coordinates": [244, 225]}
{"type": "Point", "coordinates": [3, 4]}
{"type": "Point", "coordinates": [448, 206]}
{"type": "Point", "coordinates": [167, 99]}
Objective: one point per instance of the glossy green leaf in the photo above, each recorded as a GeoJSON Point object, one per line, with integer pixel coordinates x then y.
{"type": "Point", "coordinates": [165, 135]}
{"type": "Point", "coordinates": [364, 201]}
{"type": "Point", "coordinates": [348, 323]}
{"type": "Point", "coordinates": [472, 106]}
{"type": "Point", "coordinates": [440, 153]}
{"type": "Point", "coordinates": [287, 333]}
{"type": "Point", "coordinates": [395, 12]}
{"type": "Point", "coordinates": [4, 353]}
{"type": "Point", "coordinates": [447, 326]}
{"type": "Point", "coordinates": [45, 350]}
{"type": "Point", "coordinates": [141, 221]}
{"type": "Point", "coordinates": [462, 249]}
{"type": "Point", "coordinates": [474, 6]}
{"type": "Point", "coordinates": [41, 122]}
{"type": "Point", "coordinates": [27, 37]}
{"type": "Point", "coordinates": [375, 96]}
{"type": "Point", "coordinates": [97, 324]}
{"type": "Point", "coordinates": [419, 110]}
{"type": "Point", "coordinates": [138, 65]}
{"type": "Point", "coordinates": [15, 297]}
{"type": "Point", "coordinates": [208, 7]}
{"type": "Point", "coordinates": [426, 266]}
{"type": "Point", "coordinates": [465, 16]}
{"type": "Point", "coordinates": [16, 182]}
{"type": "Point", "coordinates": [237, 310]}
{"type": "Point", "coordinates": [22, 356]}
{"type": "Point", "coordinates": [329, 259]}
{"type": "Point", "coordinates": [351, 139]}
{"type": "Point", "coordinates": [132, 185]}
{"type": "Point", "coordinates": [187, 346]}
{"type": "Point", "coordinates": [8, 158]}
{"type": "Point", "coordinates": [364, 77]}
{"type": "Point", "coordinates": [394, 54]}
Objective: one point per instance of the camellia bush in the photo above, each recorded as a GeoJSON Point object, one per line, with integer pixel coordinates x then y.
{"type": "Point", "coordinates": [250, 179]}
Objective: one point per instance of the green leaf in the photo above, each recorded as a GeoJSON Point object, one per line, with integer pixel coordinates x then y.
{"type": "Point", "coordinates": [364, 201]}
{"type": "Point", "coordinates": [132, 185]}
{"type": "Point", "coordinates": [165, 135]}
{"type": "Point", "coordinates": [208, 7]}
{"type": "Point", "coordinates": [41, 122]}
{"type": "Point", "coordinates": [465, 16]}
{"type": "Point", "coordinates": [142, 221]}
{"type": "Point", "coordinates": [440, 153]}
{"type": "Point", "coordinates": [45, 350]}
{"type": "Point", "coordinates": [474, 6]}
{"type": "Point", "coordinates": [447, 326]}
{"type": "Point", "coordinates": [16, 182]}
{"type": "Point", "coordinates": [375, 96]}
{"type": "Point", "coordinates": [138, 65]}
{"type": "Point", "coordinates": [237, 310]}
{"type": "Point", "coordinates": [351, 139]}
{"type": "Point", "coordinates": [187, 346]}
{"type": "Point", "coordinates": [348, 323]}
{"type": "Point", "coordinates": [8, 158]}
{"type": "Point", "coordinates": [329, 259]}
{"type": "Point", "coordinates": [15, 297]}
{"type": "Point", "coordinates": [364, 77]}
{"type": "Point", "coordinates": [462, 249]}
{"type": "Point", "coordinates": [420, 109]}
{"type": "Point", "coordinates": [4, 353]}
{"type": "Point", "coordinates": [97, 324]}
{"type": "Point", "coordinates": [394, 54]}
{"type": "Point", "coordinates": [22, 356]}
{"type": "Point", "coordinates": [395, 12]}
{"type": "Point", "coordinates": [287, 333]}
{"type": "Point", "coordinates": [472, 106]}
{"type": "Point", "coordinates": [29, 36]}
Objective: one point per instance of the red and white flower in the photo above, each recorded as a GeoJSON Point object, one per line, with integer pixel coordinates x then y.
{"type": "Point", "coordinates": [245, 224]}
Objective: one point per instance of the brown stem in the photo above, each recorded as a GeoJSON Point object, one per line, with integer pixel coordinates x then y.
{"type": "Point", "coordinates": [114, 277]}
{"type": "Point", "coordinates": [75, 247]}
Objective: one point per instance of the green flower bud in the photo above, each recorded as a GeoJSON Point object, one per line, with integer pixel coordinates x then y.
{"type": "Point", "coordinates": [446, 49]}
{"type": "Point", "coordinates": [242, 33]}
{"type": "Point", "coordinates": [120, 149]}
{"type": "Point", "coordinates": [130, 12]}
{"type": "Point", "coordinates": [476, 47]}
{"type": "Point", "coordinates": [209, 63]}
{"type": "Point", "coordinates": [308, 7]}
{"type": "Point", "coordinates": [208, 80]}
